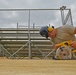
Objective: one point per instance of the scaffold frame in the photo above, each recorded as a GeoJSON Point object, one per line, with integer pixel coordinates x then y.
{"type": "Point", "coordinates": [28, 41]}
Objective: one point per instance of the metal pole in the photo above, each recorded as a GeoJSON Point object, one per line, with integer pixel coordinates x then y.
{"type": "Point", "coordinates": [33, 27]}
{"type": "Point", "coordinates": [26, 9]}
{"type": "Point", "coordinates": [71, 17]}
{"type": "Point", "coordinates": [62, 16]}
{"type": "Point", "coordinates": [17, 30]}
{"type": "Point", "coordinates": [29, 41]}
{"type": "Point", "coordinates": [62, 13]}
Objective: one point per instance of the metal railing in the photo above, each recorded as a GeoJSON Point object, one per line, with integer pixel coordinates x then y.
{"type": "Point", "coordinates": [29, 34]}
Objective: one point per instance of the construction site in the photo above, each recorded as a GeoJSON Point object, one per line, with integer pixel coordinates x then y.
{"type": "Point", "coordinates": [23, 51]}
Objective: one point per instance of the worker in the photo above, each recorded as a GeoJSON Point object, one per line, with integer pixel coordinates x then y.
{"type": "Point", "coordinates": [59, 35]}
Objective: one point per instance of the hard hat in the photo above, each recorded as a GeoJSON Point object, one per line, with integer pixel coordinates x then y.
{"type": "Point", "coordinates": [44, 31]}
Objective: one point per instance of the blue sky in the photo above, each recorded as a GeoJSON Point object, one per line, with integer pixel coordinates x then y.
{"type": "Point", "coordinates": [10, 19]}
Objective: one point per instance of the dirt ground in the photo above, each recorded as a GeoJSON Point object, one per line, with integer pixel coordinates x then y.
{"type": "Point", "coordinates": [37, 67]}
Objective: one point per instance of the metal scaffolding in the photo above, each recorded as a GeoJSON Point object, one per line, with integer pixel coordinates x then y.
{"type": "Point", "coordinates": [28, 40]}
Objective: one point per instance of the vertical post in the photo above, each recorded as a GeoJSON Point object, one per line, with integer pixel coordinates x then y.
{"type": "Point", "coordinates": [71, 17]}
{"type": "Point", "coordinates": [29, 41]}
{"type": "Point", "coordinates": [62, 16]}
{"type": "Point", "coordinates": [33, 30]}
{"type": "Point", "coordinates": [17, 27]}
{"type": "Point", "coordinates": [33, 27]}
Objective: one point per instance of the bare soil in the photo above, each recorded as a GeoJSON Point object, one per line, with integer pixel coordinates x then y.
{"type": "Point", "coordinates": [37, 67]}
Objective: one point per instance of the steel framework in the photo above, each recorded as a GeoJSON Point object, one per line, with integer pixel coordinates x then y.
{"type": "Point", "coordinates": [28, 39]}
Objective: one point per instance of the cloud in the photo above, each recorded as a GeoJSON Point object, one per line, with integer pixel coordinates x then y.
{"type": "Point", "coordinates": [11, 18]}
